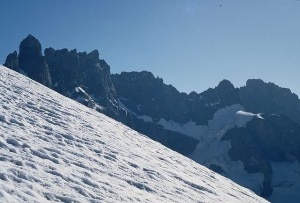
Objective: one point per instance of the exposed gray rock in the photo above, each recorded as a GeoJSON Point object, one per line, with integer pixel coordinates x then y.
{"type": "Point", "coordinates": [31, 61]}
{"type": "Point", "coordinates": [12, 61]}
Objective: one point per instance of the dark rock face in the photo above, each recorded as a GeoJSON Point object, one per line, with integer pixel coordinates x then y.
{"type": "Point", "coordinates": [12, 61]}
{"type": "Point", "coordinates": [85, 78]}
{"type": "Point", "coordinates": [228, 94]}
{"type": "Point", "coordinates": [203, 106]}
{"type": "Point", "coordinates": [217, 169]}
{"type": "Point", "coordinates": [70, 69]}
{"type": "Point", "coordinates": [64, 69]}
{"type": "Point", "coordinates": [258, 96]}
{"type": "Point", "coordinates": [144, 94]}
{"type": "Point", "coordinates": [173, 140]}
{"type": "Point", "coordinates": [274, 138]}
{"type": "Point", "coordinates": [32, 62]}
{"type": "Point", "coordinates": [79, 95]}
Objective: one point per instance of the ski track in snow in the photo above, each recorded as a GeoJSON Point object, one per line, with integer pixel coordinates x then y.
{"type": "Point", "coordinates": [52, 149]}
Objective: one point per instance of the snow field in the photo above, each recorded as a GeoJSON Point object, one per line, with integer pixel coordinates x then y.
{"type": "Point", "coordinates": [52, 149]}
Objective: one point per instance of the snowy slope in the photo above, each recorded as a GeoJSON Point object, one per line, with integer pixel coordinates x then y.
{"type": "Point", "coordinates": [212, 151]}
{"type": "Point", "coordinates": [54, 149]}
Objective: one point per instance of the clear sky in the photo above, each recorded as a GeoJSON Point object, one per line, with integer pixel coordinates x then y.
{"type": "Point", "coordinates": [191, 44]}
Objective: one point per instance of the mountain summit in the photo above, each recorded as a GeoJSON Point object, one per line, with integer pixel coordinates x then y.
{"type": "Point", "coordinates": [54, 149]}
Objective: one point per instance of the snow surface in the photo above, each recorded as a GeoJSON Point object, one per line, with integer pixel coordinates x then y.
{"type": "Point", "coordinates": [244, 113]}
{"type": "Point", "coordinates": [211, 150]}
{"type": "Point", "coordinates": [145, 118]}
{"type": "Point", "coordinates": [190, 128]}
{"type": "Point", "coordinates": [54, 149]}
{"type": "Point", "coordinates": [225, 118]}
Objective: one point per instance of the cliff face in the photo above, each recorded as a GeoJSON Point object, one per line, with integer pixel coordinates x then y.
{"type": "Point", "coordinates": [32, 62]}
{"type": "Point", "coordinates": [274, 139]}
{"type": "Point", "coordinates": [12, 61]}
{"type": "Point", "coordinates": [259, 96]}
{"type": "Point", "coordinates": [146, 95]}
{"type": "Point", "coordinates": [64, 71]}
{"type": "Point", "coordinates": [70, 69]}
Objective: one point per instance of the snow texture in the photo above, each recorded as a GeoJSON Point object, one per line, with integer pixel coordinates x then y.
{"type": "Point", "coordinates": [145, 118]}
{"type": "Point", "coordinates": [52, 149]}
{"type": "Point", "coordinates": [190, 128]}
{"type": "Point", "coordinates": [212, 151]}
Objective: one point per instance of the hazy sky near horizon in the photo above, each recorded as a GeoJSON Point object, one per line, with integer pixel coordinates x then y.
{"type": "Point", "coordinates": [191, 44]}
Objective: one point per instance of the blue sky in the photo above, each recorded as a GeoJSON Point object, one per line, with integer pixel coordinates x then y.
{"type": "Point", "coordinates": [191, 44]}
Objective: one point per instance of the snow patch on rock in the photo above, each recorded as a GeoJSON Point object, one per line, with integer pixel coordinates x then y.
{"type": "Point", "coordinates": [249, 114]}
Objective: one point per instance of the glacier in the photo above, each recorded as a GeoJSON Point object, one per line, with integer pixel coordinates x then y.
{"type": "Point", "coordinates": [53, 149]}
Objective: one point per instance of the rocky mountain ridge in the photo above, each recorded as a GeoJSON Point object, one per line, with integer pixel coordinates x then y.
{"type": "Point", "coordinates": [86, 78]}
{"type": "Point", "coordinates": [215, 128]}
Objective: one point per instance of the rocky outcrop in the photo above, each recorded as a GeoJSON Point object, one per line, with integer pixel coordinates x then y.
{"type": "Point", "coordinates": [32, 62]}
{"type": "Point", "coordinates": [203, 106]}
{"type": "Point", "coordinates": [70, 69]}
{"type": "Point", "coordinates": [176, 141]}
{"type": "Point", "coordinates": [86, 78]}
{"type": "Point", "coordinates": [64, 71]}
{"type": "Point", "coordinates": [144, 94]}
{"type": "Point", "coordinates": [258, 96]}
{"type": "Point", "coordinates": [12, 61]}
{"type": "Point", "coordinates": [272, 139]}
